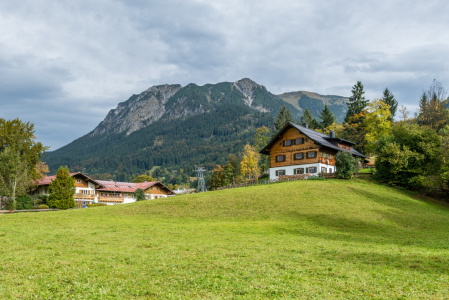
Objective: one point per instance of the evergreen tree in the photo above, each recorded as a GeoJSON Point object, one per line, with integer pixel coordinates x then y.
{"type": "Point", "coordinates": [284, 116]}
{"type": "Point", "coordinates": [309, 120]}
{"type": "Point", "coordinates": [432, 112]}
{"type": "Point", "coordinates": [389, 99]}
{"type": "Point", "coordinates": [261, 139]}
{"type": "Point", "coordinates": [327, 117]}
{"type": "Point", "coordinates": [62, 190]}
{"type": "Point", "coordinates": [357, 102]}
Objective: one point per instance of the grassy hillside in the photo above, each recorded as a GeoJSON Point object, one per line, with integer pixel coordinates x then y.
{"type": "Point", "coordinates": [305, 239]}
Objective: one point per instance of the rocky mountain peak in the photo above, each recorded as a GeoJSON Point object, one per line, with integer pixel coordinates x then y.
{"type": "Point", "coordinates": [246, 86]}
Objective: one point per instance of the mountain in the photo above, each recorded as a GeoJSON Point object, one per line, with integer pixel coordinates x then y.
{"type": "Point", "coordinates": [315, 102]}
{"type": "Point", "coordinates": [179, 128]}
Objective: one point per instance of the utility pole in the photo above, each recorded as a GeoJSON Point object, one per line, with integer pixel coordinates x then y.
{"type": "Point", "coordinates": [201, 184]}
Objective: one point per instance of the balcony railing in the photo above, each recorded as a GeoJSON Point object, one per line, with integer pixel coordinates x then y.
{"type": "Point", "coordinates": [84, 196]}
{"type": "Point", "coordinates": [111, 199]}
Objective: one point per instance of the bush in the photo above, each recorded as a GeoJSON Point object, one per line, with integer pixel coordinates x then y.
{"type": "Point", "coordinates": [24, 202]}
{"type": "Point", "coordinates": [96, 204]}
{"type": "Point", "coordinates": [43, 206]}
{"type": "Point", "coordinates": [346, 165]}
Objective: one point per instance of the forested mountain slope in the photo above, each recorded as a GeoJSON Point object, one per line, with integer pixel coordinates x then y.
{"type": "Point", "coordinates": [175, 127]}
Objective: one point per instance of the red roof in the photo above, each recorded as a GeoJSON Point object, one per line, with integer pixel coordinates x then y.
{"type": "Point", "coordinates": [46, 180]}
{"type": "Point", "coordinates": [129, 187]}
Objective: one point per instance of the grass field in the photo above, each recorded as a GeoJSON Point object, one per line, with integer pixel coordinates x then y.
{"type": "Point", "coordinates": [304, 239]}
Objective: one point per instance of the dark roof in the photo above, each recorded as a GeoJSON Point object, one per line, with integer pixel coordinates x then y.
{"type": "Point", "coordinates": [318, 137]}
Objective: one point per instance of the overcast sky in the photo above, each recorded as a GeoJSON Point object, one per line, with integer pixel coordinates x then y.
{"type": "Point", "coordinates": [65, 64]}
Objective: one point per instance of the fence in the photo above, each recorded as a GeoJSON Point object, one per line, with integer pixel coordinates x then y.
{"type": "Point", "coordinates": [357, 175]}
{"type": "Point", "coordinates": [288, 178]}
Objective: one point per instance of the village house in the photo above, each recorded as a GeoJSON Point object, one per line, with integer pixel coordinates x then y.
{"type": "Point", "coordinates": [114, 192]}
{"type": "Point", "coordinates": [88, 190]}
{"type": "Point", "coordinates": [300, 150]}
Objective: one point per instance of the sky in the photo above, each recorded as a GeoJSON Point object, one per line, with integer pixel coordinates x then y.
{"type": "Point", "coordinates": [65, 64]}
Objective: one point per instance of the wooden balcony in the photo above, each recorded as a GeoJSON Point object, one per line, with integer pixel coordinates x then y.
{"type": "Point", "coordinates": [84, 197]}
{"type": "Point", "coordinates": [111, 199]}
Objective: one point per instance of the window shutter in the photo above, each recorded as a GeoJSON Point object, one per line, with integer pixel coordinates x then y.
{"type": "Point", "coordinates": [283, 143]}
{"type": "Point", "coordinates": [316, 154]}
{"type": "Point", "coordinates": [307, 154]}
{"type": "Point", "coordinates": [277, 172]}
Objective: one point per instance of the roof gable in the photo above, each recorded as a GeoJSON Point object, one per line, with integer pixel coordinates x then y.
{"type": "Point", "coordinates": [318, 137]}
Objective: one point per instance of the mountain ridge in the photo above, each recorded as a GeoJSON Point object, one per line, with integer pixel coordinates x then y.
{"type": "Point", "coordinates": [179, 127]}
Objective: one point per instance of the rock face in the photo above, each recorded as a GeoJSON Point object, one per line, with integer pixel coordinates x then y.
{"type": "Point", "coordinates": [171, 102]}
{"type": "Point", "coordinates": [138, 111]}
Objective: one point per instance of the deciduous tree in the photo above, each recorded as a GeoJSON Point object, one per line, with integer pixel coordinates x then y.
{"type": "Point", "coordinates": [139, 194]}
{"type": "Point", "coordinates": [249, 164]}
{"type": "Point", "coordinates": [21, 135]}
{"type": "Point", "coordinates": [144, 178]}
{"type": "Point", "coordinates": [376, 123]}
{"type": "Point", "coordinates": [217, 178]}
{"type": "Point", "coordinates": [15, 175]}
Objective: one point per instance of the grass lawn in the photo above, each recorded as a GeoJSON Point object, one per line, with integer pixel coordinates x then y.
{"type": "Point", "coordinates": [304, 239]}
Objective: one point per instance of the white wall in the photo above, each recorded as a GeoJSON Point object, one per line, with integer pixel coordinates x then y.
{"type": "Point", "coordinates": [289, 169]}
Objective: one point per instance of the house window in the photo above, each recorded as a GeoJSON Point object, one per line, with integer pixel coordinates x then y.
{"type": "Point", "coordinates": [280, 158]}
{"type": "Point", "coordinates": [298, 171]}
{"type": "Point", "coordinates": [287, 143]}
{"type": "Point", "coordinates": [323, 170]}
{"type": "Point", "coordinates": [299, 141]}
{"type": "Point", "coordinates": [298, 156]}
{"type": "Point", "coordinates": [322, 154]}
{"type": "Point", "coordinates": [280, 172]}
{"type": "Point", "coordinates": [311, 154]}
{"type": "Point", "coordinates": [312, 169]}
{"type": "Point", "coordinates": [327, 155]}
{"type": "Point", "coordinates": [78, 180]}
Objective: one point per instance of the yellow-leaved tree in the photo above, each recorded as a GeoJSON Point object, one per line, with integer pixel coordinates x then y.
{"type": "Point", "coordinates": [249, 164]}
{"type": "Point", "coordinates": [377, 123]}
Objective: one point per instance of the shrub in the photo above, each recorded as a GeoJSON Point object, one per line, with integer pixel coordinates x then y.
{"type": "Point", "coordinates": [346, 165]}
{"type": "Point", "coordinates": [43, 206]}
{"type": "Point", "coordinates": [139, 194]}
{"type": "Point", "coordinates": [24, 202]}
{"type": "Point", "coordinates": [409, 156]}
{"type": "Point", "coordinates": [96, 204]}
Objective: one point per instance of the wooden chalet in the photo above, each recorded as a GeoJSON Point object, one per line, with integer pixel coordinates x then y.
{"type": "Point", "coordinates": [123, 192]}
{"type": "Point", "coordinates": [85, 188]}
{"type": "Point", "coordinates": [89, 191]}
{"type": "Point", "coordinates": [300, 150]}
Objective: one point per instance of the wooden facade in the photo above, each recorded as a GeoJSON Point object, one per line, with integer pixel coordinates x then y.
{"type": "Point", "coordinates": [300, 150]}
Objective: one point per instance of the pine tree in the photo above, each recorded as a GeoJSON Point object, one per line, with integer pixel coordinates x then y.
{"type": "Point", "coordinates": [284, 116]}
{"type": "Point", "coordinates": [62, 190]}
{"type": "Point", "coordinates": [261, 139]}
{"type": "Point", "coordinates": [389, 99]}
{"type": "Point", "coordinates": [357, 102]}
{"type": "Point", "coordinates": [327, 117]}
{"type": "Point", "coordinates": [309, 120]}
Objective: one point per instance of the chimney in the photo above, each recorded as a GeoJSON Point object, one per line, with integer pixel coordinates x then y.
{"type": "Point", "coordinates": [306, 125]}
{"type": "Point", "coordinates": [331, 133]}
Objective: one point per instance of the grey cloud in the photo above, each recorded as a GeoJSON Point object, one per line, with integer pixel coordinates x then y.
{"type": "Point", "coordinates": [65, 64]}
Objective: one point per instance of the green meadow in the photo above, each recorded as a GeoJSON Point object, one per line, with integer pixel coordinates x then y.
{"type": "Point", "coordinates": [316, 239]}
